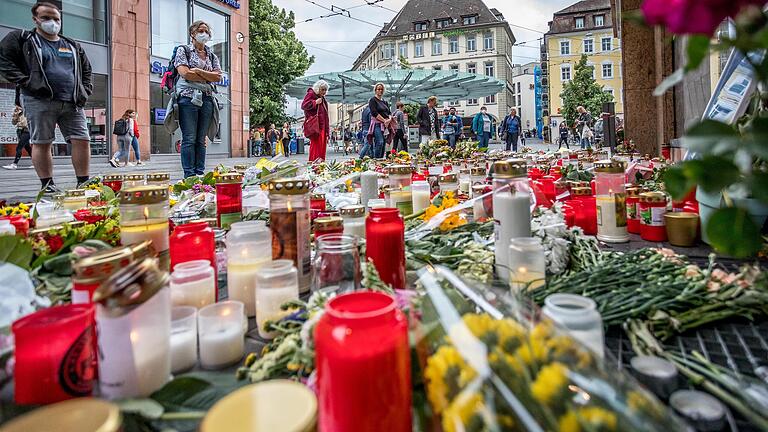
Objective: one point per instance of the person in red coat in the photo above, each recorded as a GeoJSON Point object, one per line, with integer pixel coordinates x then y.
{"type": "Point", "coordinates": [315, 105]}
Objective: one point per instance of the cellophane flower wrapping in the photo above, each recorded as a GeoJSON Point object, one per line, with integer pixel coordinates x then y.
{"type": "Point", "coordinates": [514, 371]}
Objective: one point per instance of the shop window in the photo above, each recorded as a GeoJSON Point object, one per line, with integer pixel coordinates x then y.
{"type": "Point", "coordinates": [219, 27]}
{"type": "Point", "coordinates": [169, 27]}
{"type": "Point", "coordinates": [81, 19]}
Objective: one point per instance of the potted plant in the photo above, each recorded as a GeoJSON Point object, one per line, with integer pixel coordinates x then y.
{"type": "Point", "coordinates": [731, 170]}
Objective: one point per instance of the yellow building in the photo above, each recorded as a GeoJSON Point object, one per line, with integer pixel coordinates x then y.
{"type": "Point", "coordinates": [585, 27]}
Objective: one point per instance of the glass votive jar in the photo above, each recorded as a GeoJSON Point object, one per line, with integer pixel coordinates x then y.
{"type": "Point", "coordinates": [113, 181]}
{"type": "Point", "coordinates": [527, 264]}
{"type": "Point", "coordinates": [220, 329]}
{"type": "Point", "coordinates": [478, 175]}
{"type": "Point", "coordinates": [421, 195]}
{"type": "Point", "coordinates": [579, 316]}
{"type": "Point", "coordinates": [133, 316]}
{"type": "Point", "coordinates": [276, 284]}
{"type": "Point", "coordinates": [328, 225]}
{"type": "Point", "coordinates": [400, 188]}
{"type": "Point", "coordinates": [465, 180]}
{"type": "Point", "coordinates": [377, 203]}
{"type": "Point", "coordinates": [354, 220]}
{"type": "Point", "coordinates": [317, 204]}
{"type": "Point", "coordinates": [133, 180]}
{"type": "Point", "coordinates": [229, 199]}
{"type": "Point", "coordinates": [74, 199]}
{"type": "Point", "coordinates": [158, 179]}
{"type": "Point", "coordinates": [88, 273]}
{"type": "Point", "coordinates": [611, 202]}
{"type": "Point", "coordinates": [248, 249]}
{"type": "Point", "coordinates": [183, 338]}
{"type": "Point", "coordinates": [193, 283]}
{"type": "Point", "coordinates": [336, 266]}
{"type": "Point", "coordinates": [448, 183]}
{"type": "Point", "coordinates": [290, 224]}
{"type": "Point", "coordinates": [144, 216]}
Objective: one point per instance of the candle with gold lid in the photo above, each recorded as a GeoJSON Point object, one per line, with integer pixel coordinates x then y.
{"type": "Point", "coordinates": [289, 223]}
{"type": "Point", "coordinates": [74, 199]}
{"type": "Point", "coordinates": [76, 415]}
{"type": "Point", "coordinates": [611, 201]}
{"type": "Point", "coordinates": [89, 272]}
{"type": "Point", "coordinates": [133, 180]}
{"type": "Point", "coordinates": [158, 179]}
{"type": "Point", "coordinates": [229, 199]}
{"type": "Point", "coordinates": [113, 181]}
{"type": "Point", "coordinates": [400, 177]}
{"type": "Point", "coordinates": [144, 216]}
{"type": "Point", "coordinates": [354, 220]}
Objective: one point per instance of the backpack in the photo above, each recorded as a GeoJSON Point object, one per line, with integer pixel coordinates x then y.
{"type": "Point", "coordinates": [121, 127]}
{"type": "Point", "coordinates": [171, 75]}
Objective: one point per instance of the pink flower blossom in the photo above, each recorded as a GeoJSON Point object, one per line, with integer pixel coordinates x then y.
{"type": "Point", "coordinates": [692, 16]}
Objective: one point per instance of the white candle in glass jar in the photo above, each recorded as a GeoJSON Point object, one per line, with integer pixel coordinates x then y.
{"type": "Point", "coordinates": [268, 302]}
{"type": "Point", "coordinates": [150, 229]}
{"type": "Point", "coordinates": [369, 187]}
{"type": "Point", "coordinates": [355, 227]}
{"type": "Point", "coordinates": [241, 282]}
{"type": "Point", "coordinates": [401, 200]}
{"type": "Point", "coordinates": [193, 284]}
{"type": "Point", "coordinates": [183, 350]}
{"type": "Point", "coordinates": [222, 347]}
{"type": "Point", "coordinates": [421, 196]}
{"type": "Point", "coordinates": [513, 219]}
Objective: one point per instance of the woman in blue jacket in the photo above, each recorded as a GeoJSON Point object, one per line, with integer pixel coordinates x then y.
{"type": "Point", "coordinates": [482, 126]}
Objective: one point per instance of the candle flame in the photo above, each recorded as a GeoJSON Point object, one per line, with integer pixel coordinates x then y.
{"type": "Point", "coordinates": [146, 212]}
{"type": "Point", "coordinates": [134, 336]}
{"type": "Point", "coordinates": [289, 206]}
{"type": "Point", "coordinates": [522, 270]}
{"type": "Point", "coordinates": [226, 312]}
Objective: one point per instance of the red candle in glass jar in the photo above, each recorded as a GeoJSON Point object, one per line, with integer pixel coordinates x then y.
{"type": "Point", "coordinates": [328, 225]}
{"type": "Point", "coordinates": [317, 204]}
{"type": "Point", "coordinates": [229, 199]}
{"type": "Point", "coordinates": [89, 272]}
{"type": "Point", "coordinates": [363, 365]}
{"type": "Point", "coordinates": [113, 181]}
{"type": "Point", "coordinates": [585, 207]}
{"type": "Point", "coordinates": [191, 242]}
{"type": "Point", "coordinates": [556, 172]}
{"type": "Point", "coordinates": [652, 206]}
{"type": "Point", "coordinates": [385, 245]}
{"type": "Point", "coordinates": [548, 187]}
{"type": "Point", "coordinates": [633, 215]}
{"type": "Point", "coordinates": [20, 223]}
{"type": "Point", "coordinates": [55, 355]}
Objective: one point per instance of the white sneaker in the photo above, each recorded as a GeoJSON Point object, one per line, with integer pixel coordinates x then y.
{"type": "Point", "coordinates": [12, 166]}
{"type": "Point", "coordinates": [113, 162]}
{"type": "Point", "coordinates": [139, 162]}
{"type": "Point", "coordinates": [131, 164]}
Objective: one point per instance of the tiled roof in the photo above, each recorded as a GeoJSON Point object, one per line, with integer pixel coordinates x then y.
{"type": "Point", "coordinates": [429, 10]}
{"type": "Point", "coordinates": [585, 6]}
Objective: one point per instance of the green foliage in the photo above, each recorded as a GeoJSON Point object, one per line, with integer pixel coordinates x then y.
{"type": "Point", "coordinates": [412, 110]}
{"type": "Point", "coordinates": [15, 250]}
{"type": "Point", "coordinates": [583, 90]}
{"type": "Point", "coordinates": [404, 63]}
{"type": "Point", "coordinates": [732, 231]}
{"type": "Point", "coordinates": [276, 58]}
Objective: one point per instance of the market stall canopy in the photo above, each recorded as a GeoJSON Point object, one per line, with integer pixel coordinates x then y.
{"type": "Point", "coordinates": [407, 85]}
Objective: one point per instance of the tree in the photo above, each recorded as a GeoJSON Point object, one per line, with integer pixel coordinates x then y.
{"type": "Point", "coordinates": [411, 109]}
{"type": "Point", "coordinates": [404, 63]}
{"type": "Point", "coordinates": [583, 90]}
{"type": "Point", "coordinates": [276, 58]}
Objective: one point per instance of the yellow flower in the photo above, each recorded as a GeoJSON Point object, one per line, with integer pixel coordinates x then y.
{"type": "Point", "coordinates": [349, 186]}
{"type": "Point", "coordinates": [569, 423]}
{"type": "Point", "coordinates": [452, 222]}
{"type": "Point", "coordinates": [592, 418]}
{"type": "Point", "coordinates": [23, 206]}
{"type": "Point", "coordinates": [432, 211]}
{"type": "Point", "coordinates": [533, 352]}
{"type": "Point", "coordinates": [446, 374]}
{"type": "Point", "coordinates": [173, 202]}
{"type": "Point", "coordinates": [550, 382]}
{"type": "Point", "coordinates": [461, 411]}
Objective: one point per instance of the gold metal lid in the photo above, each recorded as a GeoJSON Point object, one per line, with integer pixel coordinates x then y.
{"type": "Point", "coordinates": [74, 193]}
{"type": "Point", "coordinates": [581, 191]}
{"type": "Point", "coordinates": [447, 178]}
{"type": "Point", "coordinates": [144, 195]}
{"type": "Point", "coordinates": [681, 215]}
{"type": "Point", "coordinates": [112, 177]}
{"type": "Point", "coordinates": [399, 169]}
{"type": "Point", "coordinates": [133, 285]}
{"type": "Point", "coordinates": [464, 171]}
{"type": "Point", "coordinates": [610, 166]}
{"type": "Point", "coordinates": [143, 250]}
{"type": "Point", "coordinates": [133, 177]}
{"type": "Point", "coordinates": [317, 196]}
{"type": "Point", "coordinates": [477, 171]}
{"type": "Point", "coordinates": [352, 211]}
{"type": "Point", "coordinates": [329, 222]}
{"type": "Point", "coordinates": [103, 264]}
{"type": "Point", "coordinates": [274, 405]}
{"type": "Point", "coordinates": [230, 177]}
{"type": "Point", "coordinates": [653, 197]}
{"type": "Point", "coordinates": [158, 177]}
{"type": "Point", "coordinates": [632, 191]}
{"type": "Point", "coordinates": [75, 415]}
{"type": "Point", "coordinates": [241, 167]}
{"type": "Point", "coordinates": [288, 186]}
{"type": "Point", "coordinates": [510, 168]}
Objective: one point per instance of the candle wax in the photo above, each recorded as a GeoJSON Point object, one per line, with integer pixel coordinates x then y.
{"type": "Point", "coordinates": [612, 218]}
{"type": "Point", "coordinates": [369, 187]}
{"type": "Point", "coordinates": [222, 347]}
{"type": "Point", "coordinates": [151, 229]}
{"type": "Point", "coordinates": [513, 219]}
{"type": "Point", "coordinates": [241, 283]}
{"type": "Point", "coordinates": [197, 293]}
{"type": "Point", "coordinates": [355, 227]}
{"type": "Point", "coordinates": [401, 200]}
{"type": "Point", "coordinates": [268, 302]}
{"type": "Point", "coordinates": [183, 350]}
{"type": "Point", "coordinates": [421, 200]}
{"type": "Point", "coordinates": [524, 279]}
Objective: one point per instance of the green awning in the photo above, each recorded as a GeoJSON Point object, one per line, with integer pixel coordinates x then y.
{"type": "Point", "coordinates": [407, 85]}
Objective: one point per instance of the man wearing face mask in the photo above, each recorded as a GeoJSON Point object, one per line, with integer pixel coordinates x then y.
{"type": "Point", "coordinates": [482, 126]}
{"type": "Point", "coordinates": [54, 75]}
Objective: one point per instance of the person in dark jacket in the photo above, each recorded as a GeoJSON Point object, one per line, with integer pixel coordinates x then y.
{"type": "Point", "coordinates": [365, 126]}
{"type": "Point", "coordinates": [563, 136]}
{"type": "Point", "coordinates": [429, 121]}
{"type": "Point", "coordinates": [512, 126]}
{"type": "Point", "coordinates": [54, 75]}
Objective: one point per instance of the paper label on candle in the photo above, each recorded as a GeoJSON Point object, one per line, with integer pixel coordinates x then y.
{"type": "Point", "coordinates": [117, 369]}
{"type": "Point", "coordinates": [405, 207]}
{"type": "Point", "coordinates": [612, 210]}
{"type": "Point", "coordinates": [632, 211]}
{"type": "Point", "coordinates": [76, 371]}
{"type": "Point", "coordinates": [290, 238]}
{"type": "Point", "coordinates": [227, 219]}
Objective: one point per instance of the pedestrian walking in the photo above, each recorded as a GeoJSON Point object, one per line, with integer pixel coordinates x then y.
{"type": "Point", "coordinates": [400, 142]}
{"type": "Point", "coordinates": [450, 127]}
{"type": "Point", "coordinates": [583, 127]}
{"type": "Point", "coordinates": [286, 138]}
{"type": "Point", "coordinates": [123, 131]}
{"type": "Point", "coordinates": [365, 126]}
{"type": "Point", "coordinates": [563, 136]}
{"type": "Point", "coordinates": [272, 136]}
{"type": "Point", "coordinates": [511, 130]}
{"type": "Point", "coordinates": [54, 76]}
{"type": "Point", "coordinates": [22, 135]}
{"type": "Point", "coordinates": [429, 126]}
{"type": "Point", "coordinates": [135, 140]}
{"type": "Point", "coordinates": [317, 126]}
{"type": "Point", "coordinates": [482, 126]}
{"type": "Point", "coordinates": [381, 119]}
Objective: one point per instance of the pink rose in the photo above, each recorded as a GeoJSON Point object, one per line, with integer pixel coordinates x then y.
{"type": "Point", "coordinates": [692, 16]}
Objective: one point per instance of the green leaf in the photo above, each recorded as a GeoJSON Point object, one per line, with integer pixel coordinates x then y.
{"type": "Point", "coordinates": [710, 136]}
{"type": "Point", "coordinates": [176, 393]}
{"type": "Point", "coordinates": [146, 408]}
{"type": "Point", "coordinates": [107, 193]}
{"type": "Point", "coordinates": [676, 182]}
{"type": "Point", "coordinates": [15, 250]}
{"type": "Point", "coordinates": [732, 232]}
{"type": "Point", "coordinates": [669, 82]}
{"type": "Point", "coordinates": [697, 50]}
{"type": "Point", "coordinates": [758, 184]}
{"type": "Point", "coordinates": [712, 173]}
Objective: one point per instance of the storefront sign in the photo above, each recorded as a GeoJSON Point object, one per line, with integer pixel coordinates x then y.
{"type": "Point", "coordinates": [159, 116]}
{"type": "Point", "coordinates": [233, 3]}
{"type": "Point", "coordinates": [419, 36]}
{"type": "Point", "coordinates": [156, 67]}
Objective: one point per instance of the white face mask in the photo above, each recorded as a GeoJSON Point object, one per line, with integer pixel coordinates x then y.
{"type": "Point", "coordinates": [50, 26]}
{"type": "Point", "coordinates": [202, 37]}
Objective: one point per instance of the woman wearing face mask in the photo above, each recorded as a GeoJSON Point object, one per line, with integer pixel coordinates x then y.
{"type": "Point", "coordinates": [482, 125]}
{"type": "Point", "coordinates": [198, 111]}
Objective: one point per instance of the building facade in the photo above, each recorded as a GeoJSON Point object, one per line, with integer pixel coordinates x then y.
{"type": "Point", "coordinates": [461, 35]}
{"type": "Point", "coordinates": [129, 44]}
{"type": "Point", "coordinates": [524, 93]}
{"type": "Point", "coordinates": [585, 27]}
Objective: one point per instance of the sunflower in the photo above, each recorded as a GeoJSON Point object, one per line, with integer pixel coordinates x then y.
{"type": "Point", "coordinates": [452, 222]}
{"type": "Point", "coordinates": [550, 383]}
{"type": "Point", "coordinates": [464, 414]}
{"type": "Point", "coordinates": [446, 373]}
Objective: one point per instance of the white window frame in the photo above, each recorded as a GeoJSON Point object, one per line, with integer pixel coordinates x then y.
{"type": "Point", "coordinates": [602, 20]}
{"type": "Point", "coordinates": [402, 49]}
{"type": "Point", "coordinates": [578, 20]}
{"type": "Point", "coordinates": [603, 41]}
{"type": "Point", "coordinates": [437, 46]}
{"type": "Point", "coordinates": [591, 46]}
{"type": "Point", "coordinates": [565, 47]}
{"type": "Point", "coordinates": [420, 26]}
{"type": "Point", "coordinates": [443, 23]}
{"type": "Point", "coordinates": [388, 51]}
{"type": "Point", "coordinates": [490, 100]}
{"type": "Point", "coordinates": [472, 68]}
{"type": "Point", "coordinates": [612, 75]}
{"type": "Point", "coordinates": [488, 41]}
{"type": "Point", "coordinates": [418, 46]}
{"type": "Point", "coordinates": [563, 69]}
{"type": "Point", "coordinates": [453, 41]}
{"type": "Point", "coordinates": [469, 20]}
{"type": "Point", "coordinates": [473, 38]}
{"type": "Point", "coordinates": [453, 68]}
{"type": "Point", "coordinates": [473, 102]}
{"type": "Point", "coordinates": [491, 65]}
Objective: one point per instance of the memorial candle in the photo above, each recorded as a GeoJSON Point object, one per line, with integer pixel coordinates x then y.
{"type": "Point", "coordinates": [369, 187]}
{"type": "Point", "coordinates": [248, 248]}
{"type": "Point", "coordinates": [611, 202]}
{"type": "Point", "coordinates": [229, 199]}
{"type": "Point", "coordinates": [289, 223]}
{"type": "Point", "coordinates": [421, 196]}
{"type": "Point", "coordinates": [144, 216]}
{"type": "Point", "coordinates": [385, 245]}
{"type": "Point", "coordinates": [222, 339]}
